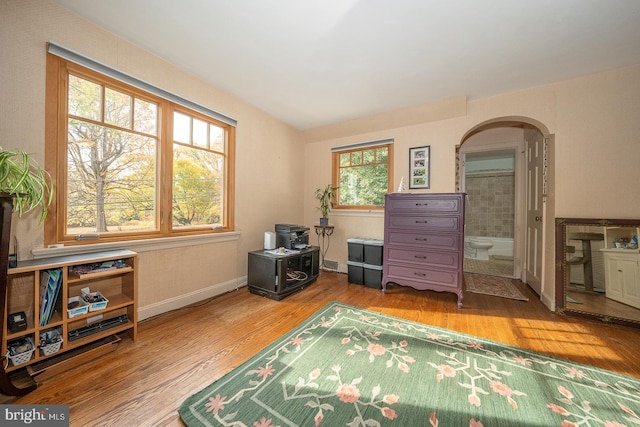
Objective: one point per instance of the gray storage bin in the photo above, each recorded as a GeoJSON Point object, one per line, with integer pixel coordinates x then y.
{"type": "Point", "coordinates": [355, 249]}
{"type": "Point", "coordinates": [355, 272]}
{"type": "Point", "coordinates": [373, 251]}
{"type": "Point", "coordinates": [373, 276]}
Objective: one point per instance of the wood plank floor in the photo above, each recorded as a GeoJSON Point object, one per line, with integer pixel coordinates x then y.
{"type": "Point", "coordinates": [179, 353]}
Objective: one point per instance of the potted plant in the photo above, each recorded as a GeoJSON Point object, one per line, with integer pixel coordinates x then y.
{"type": "Point", "coordinates": [326, 197]}
{"type": "Point", "coordinates": [24, 186]}
{"type": "Point", "coordinates": [24, 182]}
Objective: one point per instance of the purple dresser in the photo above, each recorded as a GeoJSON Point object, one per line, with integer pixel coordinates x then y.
{"type": "Point", "coordinates": [424, 241]}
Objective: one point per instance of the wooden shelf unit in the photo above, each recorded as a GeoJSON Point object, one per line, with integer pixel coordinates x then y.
{"type": "Point", "coordinates": [119, 286]}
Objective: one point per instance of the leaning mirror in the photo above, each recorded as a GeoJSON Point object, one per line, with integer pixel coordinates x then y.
{"type": "Point", "coordinates": [598, 269]}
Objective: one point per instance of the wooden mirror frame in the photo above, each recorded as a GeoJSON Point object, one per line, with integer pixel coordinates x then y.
{"type": "Point", "coordinates": [562, 269]}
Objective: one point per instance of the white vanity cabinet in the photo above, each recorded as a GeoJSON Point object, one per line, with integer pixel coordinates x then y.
{"type": "Point", "coordinates": [622, 277]}
{"type": "Point", "coordinates": [621, 267]}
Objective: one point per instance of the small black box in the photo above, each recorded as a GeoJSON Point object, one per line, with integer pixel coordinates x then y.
{"type": "Point", "coordinates": [17, 322]}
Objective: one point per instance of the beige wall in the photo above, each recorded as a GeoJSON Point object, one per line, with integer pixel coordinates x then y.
{"type": "Point", "coordinates": [596, 122]}
{"type": "Point", "coordinates": [594, 119]}
{"type": "Point", "coordinates": [268, 188]}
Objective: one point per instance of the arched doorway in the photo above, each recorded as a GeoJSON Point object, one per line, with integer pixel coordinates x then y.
{"type": "Point", "coordinates": [527, 144]}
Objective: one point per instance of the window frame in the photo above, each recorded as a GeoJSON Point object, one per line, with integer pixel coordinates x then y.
{"type": "Point", "coordinates": [57, 71]}
{"type": "Point", "coordinates": [335, 171]}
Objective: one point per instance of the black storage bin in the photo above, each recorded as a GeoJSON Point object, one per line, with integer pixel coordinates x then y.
{"type": "Point", "coordinates": [373, 251]}
{"type": "Point", "coordinates": [355, 272]}
{"type": "Point", "coordinates": [373, 276]}
{"type": "Point", "coordinates": [355, 249]}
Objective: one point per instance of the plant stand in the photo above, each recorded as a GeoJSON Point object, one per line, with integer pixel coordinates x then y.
{"type": "Point", "coordinates": [6, 209]}
{"type": "Point", "coordinates": [323, 232]}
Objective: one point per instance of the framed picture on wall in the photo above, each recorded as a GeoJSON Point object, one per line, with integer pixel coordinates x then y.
{"type": "Point", "coordinates": [419, 167]}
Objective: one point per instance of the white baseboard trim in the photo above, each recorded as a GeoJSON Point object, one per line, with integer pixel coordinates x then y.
{"type": "Point", "coordinates": [170, 304]}
{"type": "Point", "coordinates": [550, 303]}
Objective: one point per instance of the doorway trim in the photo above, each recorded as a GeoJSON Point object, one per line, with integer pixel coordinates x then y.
{"type": "Point", "coordinates": [548, 271]}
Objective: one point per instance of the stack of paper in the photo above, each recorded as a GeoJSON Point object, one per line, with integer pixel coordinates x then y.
{"type": "Point", "coordinates": [50, 284]}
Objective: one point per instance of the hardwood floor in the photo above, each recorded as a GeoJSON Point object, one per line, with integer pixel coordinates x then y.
{"type": "Point", "coordinates": [179, 353]}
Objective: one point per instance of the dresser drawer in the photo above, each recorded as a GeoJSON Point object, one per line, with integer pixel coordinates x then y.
{"type": "Point", "coordinates": [444, 241]}
{"type": "Point", "coordinates": [407, 202]}
{"type": "Point", "coordinates": [427, 276]}
{"type": "Point", "coordinates": [426, 223]}
{"type": "Point", "coordinates": [425, 258]}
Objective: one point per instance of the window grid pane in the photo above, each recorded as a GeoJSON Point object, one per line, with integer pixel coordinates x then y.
{"type": "Point", "coordinates": [363, 178]}
{"type": "Point", "coordinates": [117, 108]}
{"type": "Point", "coordinates": [110, 180]}
{"type": "Point", "coordinates": [145, 117]}
{"type": "Point", "coordinates": [111, 172]}
{"type": "Point", "coordinates": [84, 99]}
{"type": "Point", "coordinates": [198, 173]}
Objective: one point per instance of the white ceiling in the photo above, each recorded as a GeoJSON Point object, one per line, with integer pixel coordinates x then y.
{"type": "Point", "coordinates": [317, 62]}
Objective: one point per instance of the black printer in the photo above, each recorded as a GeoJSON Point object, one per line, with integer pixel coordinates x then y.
{"type": "Point", "coordinates": [291, 236]}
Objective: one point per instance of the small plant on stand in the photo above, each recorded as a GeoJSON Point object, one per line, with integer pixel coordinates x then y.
{"type": "Point", "coordinates": [326, 197]}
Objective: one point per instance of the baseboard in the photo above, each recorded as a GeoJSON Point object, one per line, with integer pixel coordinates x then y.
{"type": "Point", "coordinates": [548, 302]}
{"type": "Point", "coordinates": [190, 298]}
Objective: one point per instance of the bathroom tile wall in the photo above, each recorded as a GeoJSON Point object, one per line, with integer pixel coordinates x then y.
{"type": "Point", "coordinates": [490, 204]}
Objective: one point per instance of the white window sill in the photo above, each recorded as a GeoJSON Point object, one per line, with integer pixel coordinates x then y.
{"type": "Point", "coordinates": [139, 245]}
{"type": "Point", "coordinates": [357, 213]}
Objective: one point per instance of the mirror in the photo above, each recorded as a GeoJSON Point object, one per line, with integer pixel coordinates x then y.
{"type": "Point", "coordinates": [598, 269]}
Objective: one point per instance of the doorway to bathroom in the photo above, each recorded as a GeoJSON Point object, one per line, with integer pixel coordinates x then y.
{"type": "Point", "coordinates": [491, 166]}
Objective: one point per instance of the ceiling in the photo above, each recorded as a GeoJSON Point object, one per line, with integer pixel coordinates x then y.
{"type": "Point", "coordinates": [312, 63]}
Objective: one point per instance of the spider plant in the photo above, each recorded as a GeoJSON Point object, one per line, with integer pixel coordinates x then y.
{"type": "Point", "coordinates": [25, 181]}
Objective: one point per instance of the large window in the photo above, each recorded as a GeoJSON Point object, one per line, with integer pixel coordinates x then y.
{"type": "Point", "coordinates": [363, 175]}
{"type": "Point", "coordinates": [131, 164]}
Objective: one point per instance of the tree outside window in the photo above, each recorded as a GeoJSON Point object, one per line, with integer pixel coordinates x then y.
{"type": "Point", "coordinates": [131, 159]}
{"type": "Point", "coordinates": [363, 176]}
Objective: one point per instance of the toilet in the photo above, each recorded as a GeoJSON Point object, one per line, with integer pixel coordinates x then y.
{"type": "Point", "coordinates": [481, 248]}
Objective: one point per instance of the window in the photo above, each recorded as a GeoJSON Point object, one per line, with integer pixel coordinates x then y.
{"type": "Point", "coordinates": [130, 164]}
{"type": "Point", "coordinates": [362, 174]}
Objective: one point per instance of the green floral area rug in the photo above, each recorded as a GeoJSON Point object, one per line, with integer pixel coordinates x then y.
{"type": "Point", "coordinates": [347, 366]}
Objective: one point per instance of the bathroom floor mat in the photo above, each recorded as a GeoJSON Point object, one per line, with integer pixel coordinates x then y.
{"type": "Point", "coordinates": [493, 285]}
{"type": "Point", "coordinates": [492, 267]}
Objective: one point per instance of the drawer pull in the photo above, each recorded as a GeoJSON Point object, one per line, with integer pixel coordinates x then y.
{"type": "Point", "coordinates": [422, 204]}
{"type": "Point", "coordinates": [421, 239]}
{"type": "Point", "coordinates": [419, 274]}
{"type": "Point", "coordinates": [422, 222]}
{"type": "Point", "coordinates": [420, 256]}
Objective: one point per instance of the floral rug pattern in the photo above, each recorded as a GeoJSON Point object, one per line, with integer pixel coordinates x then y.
{"type": "Point", "coordinates": [347, 366]}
